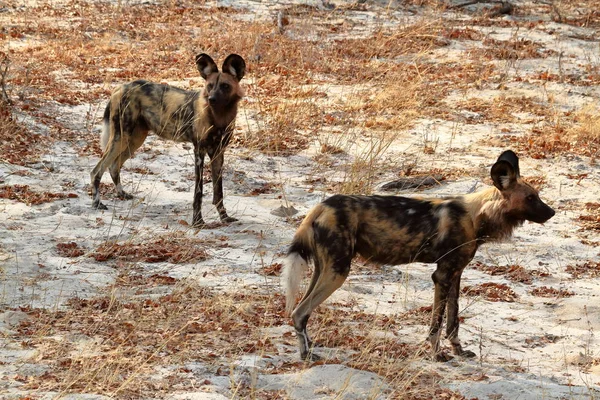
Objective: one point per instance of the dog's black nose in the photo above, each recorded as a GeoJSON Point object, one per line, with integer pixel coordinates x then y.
{"type": "Point", "coordinates": [212, 99]}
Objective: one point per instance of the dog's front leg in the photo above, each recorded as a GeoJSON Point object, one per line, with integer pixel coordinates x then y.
{"type": "Point", "coordinates": [216, 168]}
{"type": "Point", "coordinates": [452, 321]}
{"type": "Point", "coordinates": [442, 285]}
{"type": "Point", "coordinates": [197, 220]}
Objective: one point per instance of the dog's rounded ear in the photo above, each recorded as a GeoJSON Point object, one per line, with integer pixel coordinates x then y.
{"type": "Point", "coordinates": [512, 158]}
{"type": "Point", "coordinates": [503, 174]}
{"type": "Point", "coordinates": [234, 65]}
{"type": "Point", "coordinates": [206, 65]}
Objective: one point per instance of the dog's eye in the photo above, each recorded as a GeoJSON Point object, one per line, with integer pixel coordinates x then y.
{"type": "Point", "coordinates": [209, 86]}
{"type": "Point", "coordinates": [531, 197]}
{"type": "Point", "coordinates": [225, 86]}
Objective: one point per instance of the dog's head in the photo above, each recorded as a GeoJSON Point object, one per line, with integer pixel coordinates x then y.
{"type": "Point", "coordinates": [221, 87]}
{"type": "Point", "coordinates": [523, 200]}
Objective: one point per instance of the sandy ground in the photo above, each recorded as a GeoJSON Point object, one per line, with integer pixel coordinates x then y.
{"type": "Point", "coordinates": [532, 348]}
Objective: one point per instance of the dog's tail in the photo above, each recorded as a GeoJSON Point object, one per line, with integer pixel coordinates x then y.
{"type": "Point", "coordinates": [105, 128]}
{"type": "Point", "coordinates": [301, 251]}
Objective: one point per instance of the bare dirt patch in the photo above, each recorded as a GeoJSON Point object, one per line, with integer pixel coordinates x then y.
{"type": "Point", "coordinates": [341, 97]}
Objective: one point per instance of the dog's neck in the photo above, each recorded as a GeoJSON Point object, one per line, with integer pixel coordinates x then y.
{"type": "Point", "coordinates": [221, 117]}
{"type": "Point", "coordinates": [488, 213]}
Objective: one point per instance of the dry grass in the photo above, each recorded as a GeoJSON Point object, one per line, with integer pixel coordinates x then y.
{"type": "Point", "coordinates": [576, 133]}
{"type": "Point", "coordinates": [118, 345]}
{"type": "Point", "coordinates": [585, 135]}
{"type": "Point", "coordinates": [514, 49]}
{"type": "Point", "coordinates": [545, 291]}
{"type": "Point", "coordinates": [314, 84]}
{"type": "Point", "coordinates": [491, 291]}
{"type": "Point", "coordinates": [24, 194]}
{"type": "Point", "coordinates": [18, 144]}
{"type": "Point", "coordinates": [118, 342]}
{"type": "Point", "coordinates": [505, 109]}
{"type": "Point", "coordinates": [514, 273]}
{"type": "Point", "coordinates": [172, 248]}
{"type": "Point", "coordinates": [587, 269]}
{"type": "Point", "coordinates": [590, 219]}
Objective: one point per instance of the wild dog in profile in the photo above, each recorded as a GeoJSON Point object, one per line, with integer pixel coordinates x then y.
{"type": "Point", "coordinates": [398, 230]}
{"type": "Point", "coordinates": [206, 119]}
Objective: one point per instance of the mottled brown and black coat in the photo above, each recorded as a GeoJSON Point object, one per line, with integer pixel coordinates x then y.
{"type": "Point", "coordinates": [398, 230]}
{"type": "Point", "coordinates": [205, 119]}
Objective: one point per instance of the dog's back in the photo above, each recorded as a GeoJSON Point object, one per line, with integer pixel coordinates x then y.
{"type": "Point", "coordinates": [142, 106]}
{"type": "Point", "coordinates": [393, 229]}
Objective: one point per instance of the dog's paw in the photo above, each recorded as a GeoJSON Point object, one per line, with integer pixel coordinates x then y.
{"type": "Point", "coordinates": [227, 219]}
{"type": "Point", "coordinates": [457, 350]}
{"type": "Point", "coordinates": [467, 354]}
{"type": "Point", "coordinates": [99, 206]}
{"type": "Point", "coordinates": [198, 224]}
{"type": "Point", "coordinates": [442, 356]}
{"type": "Point", "coordinates": [125, 196]}
{"type": "Point", "coordinates": [310, 357]}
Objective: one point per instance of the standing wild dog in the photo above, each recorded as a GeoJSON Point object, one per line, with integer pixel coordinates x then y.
{"type": "Point", "coordinates": [206, 119]}
{"type": "Point", "coordinates": [399, 230]}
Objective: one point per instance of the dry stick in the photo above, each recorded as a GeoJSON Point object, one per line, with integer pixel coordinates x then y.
{"type": "Point", "coordinates": [505, 8]}
{"type": "Point", "coordinates": [5, 62]}
{"type": "Point", "coordinates": [468, 3]}
{"type": "Point", "coordinates": [555, 9]}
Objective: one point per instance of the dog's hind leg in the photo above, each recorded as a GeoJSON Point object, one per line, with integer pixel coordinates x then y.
{"type": "Point", "coordinates": [113, 149]}
{"type": "Point", "coordinates": [313, 281]}
{"type": "Point", "coordinates": [326, 283]}
{"type": "Point", "coordinates": [135, 141]}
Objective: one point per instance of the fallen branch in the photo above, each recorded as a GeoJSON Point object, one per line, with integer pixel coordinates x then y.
{"type": "Point", "coordinates": [412, 182]}
{"type": "Point", "coordinates": [3, 74]}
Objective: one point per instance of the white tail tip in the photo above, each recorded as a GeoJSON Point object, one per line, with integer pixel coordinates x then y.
{"type": "Point", "coordinates": [294, 268]}
{"type": "Point", "coordinates": [105, 136]}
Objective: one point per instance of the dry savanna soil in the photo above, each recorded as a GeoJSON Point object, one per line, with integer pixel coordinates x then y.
{"type": "Point", "coordinates": [414, 97]}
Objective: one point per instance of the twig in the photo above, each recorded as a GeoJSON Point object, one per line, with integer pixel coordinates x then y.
{"type": "Point", "coordinates": [468, 3]}
{"type": "Point", "coordinates": [281, 21]}
{"type": "Point", "coordinates": [3, 73]}
{"type": "Point", "coordinates": [505, 8]}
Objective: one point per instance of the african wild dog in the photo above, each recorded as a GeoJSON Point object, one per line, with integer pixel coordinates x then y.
{"type": "Point", "coordinates": [399, 230]}
{"type": "Point", "coordinates": [205, 119]}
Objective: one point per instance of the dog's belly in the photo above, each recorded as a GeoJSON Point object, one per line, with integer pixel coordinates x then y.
{"type": "Point", "coordinates": [398, 253]}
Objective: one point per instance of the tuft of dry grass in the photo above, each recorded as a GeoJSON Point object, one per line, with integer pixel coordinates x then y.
{"type": "Point", "coordinates": [587, 269]}
{"type": "Point", "coordinates": [514, 273]}
{"type": "Point", "coordinates": [361, 175]}
{"type": "Point", "coordinates": [491, 291]}
{"type": "Point", "coordinates": [287, 128]}
{"type": "Point", "coordinates": [505, 109]}
{"type": "Point", "coordinates": [24, 194]}
{"type": "Point", "coordinates": [514, 49]}
{"type": "Point", "coordinates": [18, 145]}
{"type": "Point", "coordinates": [577, 133]}
{"type": "Point", "coordinates": [545, 291]}
{"type": "Point", "coordinates": [585, 135]}
{"type": "Point", "coordinates": [173, 248]}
